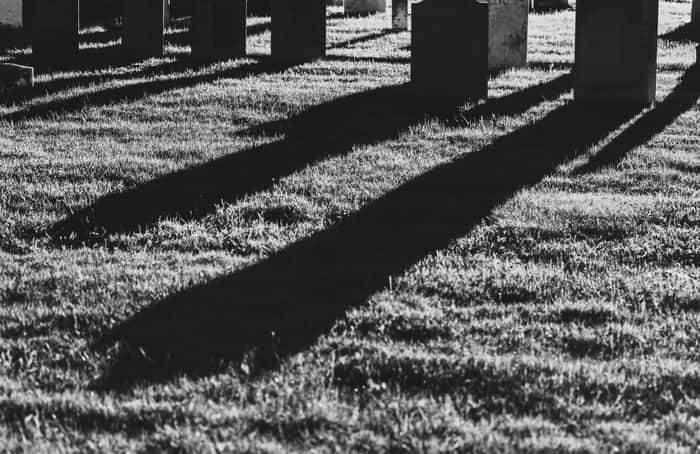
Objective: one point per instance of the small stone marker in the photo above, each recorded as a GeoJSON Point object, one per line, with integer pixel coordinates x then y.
{"type": "Point", "coordinates": [616, 51]}
{"type": "Point", "coordinates": [11, 14]}
{"type": "Point", "coordinates": [508, 20]}
{"type": "Point", "coordinates": [450, 48]}
{"type": "Point", "coordinates": [364, 6]}
{"type": "Point", "coordinates": [15, 76]}
{"type": "Point", "coordinates": [219, 29]}
{"type": "Point", "coordinates": [144, 28]}
{"type": "Point", "coordinates": [55, 26]}
{"type": "Point", "coordinates": [399, 14]}
{"type": "Point", "coordinates": [298, 30]}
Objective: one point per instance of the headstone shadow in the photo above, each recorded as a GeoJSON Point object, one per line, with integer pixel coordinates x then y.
{"type": "Point", "coordinates": [359, 119]}
{"type": "Point", "coordinates": [281, 305]}
{"type": "Point", "coordinates": [685, 33]}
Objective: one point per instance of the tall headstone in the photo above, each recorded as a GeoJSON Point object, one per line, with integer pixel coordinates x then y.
{"type": "Point", "coordinates": [364, 6]}
{"type": "Point", "coordinates": [144, 28]}
{"type": "Point", "coordinates": [11, 14]}
{"type": "Point", "coordinates": [399, 14]}
{"type": "Point", "coordinates": [616, 51]}
{"type": "Point", "coordinates": [218, 29]}
{"type": "Point", "coordinates": [298, 30]}
{"type": "Point", "coordinates": [450, 48]}
{"type": "Point", "coordinates": [695, 14]}
{"type": "Point", "coordinates": [55, 27]}
{"type": "Point", "coordinates": [508, 21]}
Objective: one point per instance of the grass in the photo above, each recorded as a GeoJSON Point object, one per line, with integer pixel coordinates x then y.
{"type": "Point", "coordinates": [237, 256]}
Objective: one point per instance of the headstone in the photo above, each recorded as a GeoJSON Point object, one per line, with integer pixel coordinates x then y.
{"type": "Point", "coordinates": [695, 14]}
{"type": "Point", "coordinates": [55, 27]}
{"type": "Point", "coordinates": [450, 48]}
{"type": "Point", "coordinates": [399, 14]}
{"type": "Point", "coordinates": [364, 6]}
{"type": "Point", "coordinates": [298, 30]}
{"type": "Point", "coordinates": [11, 14]}
{"type": "Point", "coordinates": [219, 29]}
{"type": "Point", "coordinates": [616, 51]}
{"type": "Point", "coordinates": [144, 28]}
{"type": "Point", "coordinates": [508, 20]}
{"type": "Point", "coordinates": [15, 76]}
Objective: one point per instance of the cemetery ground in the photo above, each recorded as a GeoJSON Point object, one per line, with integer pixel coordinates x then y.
{"type": "Point", "coordinates": [239, 255]}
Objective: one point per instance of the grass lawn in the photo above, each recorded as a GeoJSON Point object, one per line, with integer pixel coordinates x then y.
{"type": "Point", "coordinates": [239, 256]}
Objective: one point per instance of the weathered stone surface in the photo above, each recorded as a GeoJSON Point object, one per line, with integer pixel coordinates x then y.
{"type": "Point", "coordinates": [144, 28]}
{"type": "Point", "coordinates": [450, 48]}
{"type": "Point", "coordinates": [15, 76]}
{"type": "Point", "coordinates": [616, 51]}
{"type": "Point", "coordinates": [696, 12]}
{"type": "Point", "coordinates": [508, 21]}
{"type": "Point", "coordinates": [298, 30]}
{"type": "Point", "coordinates": [219, 29]}
{"type": "Point", "coordinates": [399, 14]}
{"type": "Point", "coordinates": [364, 6]}
{"type": "Point", "coordinates": [11, 13]}
{"type": "Point", "coordinates": [55, 26]}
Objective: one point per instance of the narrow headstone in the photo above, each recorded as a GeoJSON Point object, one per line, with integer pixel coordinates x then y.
{"type": "Point", "coordinates": [695, 14]}
{"type": "Point", "coordinates": [508, 20]}
{"type": "Point", "coordinates": [55, 27]}
{"type": "Point", "coordinates": [15, 76]}
{"type": "Point", "coordinates": [616, 51]}
{"type": "Point", "coordinates": [450, 48]}
{"type": "Point", "coordinates": [399, 14]}
{"type": "Point", "coordinates": [144, 28]}
{"type": "Point", "coordinates": [364, 6]}
{"type": "Point", "coordinates": [11, 14]}
{"type": "Point", "coordinates": [219, 29]}
{"type": "Point", "coordinates": [298, 30]}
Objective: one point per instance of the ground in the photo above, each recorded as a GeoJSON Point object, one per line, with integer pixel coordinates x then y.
{"type": "Point", "coordinates": [239, 256]}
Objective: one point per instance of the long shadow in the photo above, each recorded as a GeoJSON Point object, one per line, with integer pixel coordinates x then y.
{"type": "Point", "coordinates": [685, 33]}
{"type": "Point", "coordinates": [359, 119]}
{"type": "Point", "coordinates": [679, 101]}
{"type": "Point", "coordinates": [138, 91]}
{"type": "Point", "coordinates": [281, 305]}
{"type": "Point", "coordinates": [364, 38]}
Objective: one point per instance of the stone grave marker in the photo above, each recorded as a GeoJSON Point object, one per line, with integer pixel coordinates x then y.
{"type": "Point", "coordinates": [508, 21]}
{"type": "Point", "coordinates": [364, 6]}
{"type": "Point", "coordinates": [695, 14]}
{"type": "Point", "coordinates": [15, 76]}
{"type": "Point", "coordinates": [616, 51]}
{"type": "Point", "coordinates": [298, 30]}
{"type": "Point", "coordinates": [399, 14]}
{"type": "Point", "coordinates": [11, 14]}
{"type": "Point", "coordinates": [55, 27]}
{"type": "Point", "coordinates": [144, 28]}
{"type": "Point", "coordinates": [450, 48]}
{"type": "Point", "coordinates": [219, 29]}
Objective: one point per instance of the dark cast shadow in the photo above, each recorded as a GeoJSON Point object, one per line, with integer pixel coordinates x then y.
{"type": "Point", "coordinates": [684, 96]}
{"type": "Point", "coordinates": [282, 304]}
{"type": "Point", "coordinates": [684, 34]}
{"type": "Point", "coordinates": [359, 119]}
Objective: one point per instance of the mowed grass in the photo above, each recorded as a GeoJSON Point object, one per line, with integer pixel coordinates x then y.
{"type": "Point", "coordinates": [238, 256]}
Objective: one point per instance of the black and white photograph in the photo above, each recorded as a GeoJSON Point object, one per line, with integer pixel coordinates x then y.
{"type": "Point", "coordinates": [350, 226]}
